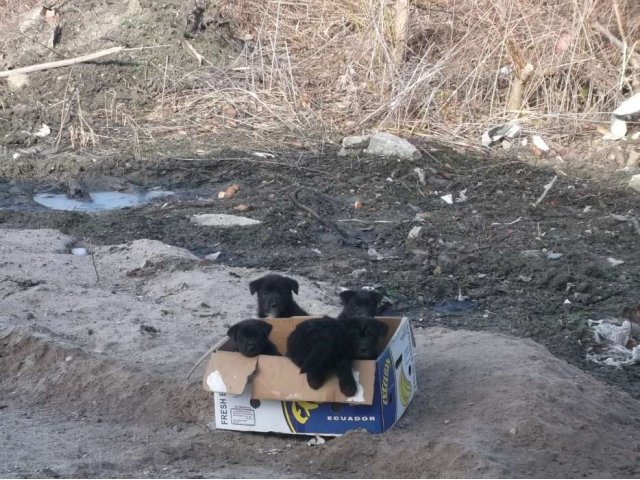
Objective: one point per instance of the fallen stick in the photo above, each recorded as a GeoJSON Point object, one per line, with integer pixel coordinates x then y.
{"type": "Point", "coordinates": [61, 63]}
{"type": "Point", "coordinates": [207, 353]}
{"type": "Point", "coordinates": [547, 187]}
{"type": "Point", "coordinates": [634, 58]}
{"type": "Point", "coordinates": [190, 49]}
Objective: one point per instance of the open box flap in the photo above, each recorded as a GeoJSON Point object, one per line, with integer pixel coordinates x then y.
{"type": "Point", "coordinates": [228, 372]}
{"type": "Point", "coordinates": [279, 379]}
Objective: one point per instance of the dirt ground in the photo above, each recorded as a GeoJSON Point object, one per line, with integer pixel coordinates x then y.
{"type": "Point", "coordinates": [94, 358]}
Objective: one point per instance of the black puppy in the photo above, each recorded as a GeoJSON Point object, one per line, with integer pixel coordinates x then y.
{"type": "Point", "coordinates": [274, 296]}
{"type": "Point", "coordinates": [324, 346]}
{"type": "Point", "coordinates": [252, 338]}
{"type": "Point", "coordinates": [359, 303]}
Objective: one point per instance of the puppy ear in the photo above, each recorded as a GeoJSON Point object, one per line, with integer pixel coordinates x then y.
{"type": "Point", "coordinates": [255, 285]}
{"type": "Point", "coordinates": [346, 296]}
{"type": "Point", "coordinates": [293, 285]}
{"type": "Point", "coordinates": [266, 328]}
{"type": "Point", "coordinates": [233, 331]}
{"type": "Point", "coordinates": [383, 328]}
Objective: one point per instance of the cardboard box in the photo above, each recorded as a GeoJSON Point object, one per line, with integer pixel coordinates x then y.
{"type": "Point", "coordinates": [268, 393]}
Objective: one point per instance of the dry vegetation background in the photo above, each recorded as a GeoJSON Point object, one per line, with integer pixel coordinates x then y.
{"type": "Point", "coordinates": [441, 68]}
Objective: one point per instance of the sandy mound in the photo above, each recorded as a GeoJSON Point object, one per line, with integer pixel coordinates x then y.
{"type": "Point", "coordinates": [87, 391]}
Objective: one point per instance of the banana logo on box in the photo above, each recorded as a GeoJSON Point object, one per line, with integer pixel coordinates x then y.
{"type": "Point", "coordinates": [385, 381]}
{"type": "Point", "coordinates": [297, 413]}
{"type": "Point", "coordinates": [406, 388]}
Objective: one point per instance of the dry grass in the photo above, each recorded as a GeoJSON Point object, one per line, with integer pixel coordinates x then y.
{"type": "Point", "coordinates": [312, 67]}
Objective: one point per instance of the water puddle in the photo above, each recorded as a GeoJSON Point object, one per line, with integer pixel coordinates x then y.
{"type": "Point", "coordinates": [99, 201]}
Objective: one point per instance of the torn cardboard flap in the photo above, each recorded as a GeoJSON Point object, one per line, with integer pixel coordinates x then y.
{"type": "Point", "coordinates": [228, 372]}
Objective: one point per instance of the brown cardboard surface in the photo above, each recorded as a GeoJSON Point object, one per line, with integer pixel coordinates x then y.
{"type": "Point", "coordinates": [279, 379]}
{"type": "Point", "coordinates": [234, 368]}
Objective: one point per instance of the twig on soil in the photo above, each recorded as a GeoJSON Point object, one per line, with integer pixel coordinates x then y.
{"type": "Point", "coordinates": [206, 354]}
{"type": "Point", "coordinates": [62, 63]}
{"type": "Point", "coordinates": [547, 187]}
{"type": "Point", "coordinates": [357, 220]}
{"type": "Point", "coordinates": [192, 51]}
{"type": "Point", "coordinates": [327, 223]}
{"type": "Point", "coordinates": [63, 112]}
{"type": "Point", "coordinates": [497, 224]}
{"type": "Point", "coordinates": [93, 261]}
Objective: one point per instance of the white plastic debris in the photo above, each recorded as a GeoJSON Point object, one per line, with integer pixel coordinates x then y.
{"type": "Point", "coordinates": [567, 301]}
{"type": "Point", "coordinates": [618, 128]}
{"type": "Point", "coordinates": [554, 255]}
{"type": "Point", "coordinates": [612, 339]}
{"type": "Point", "coordinates": [16, 156]}
{"type": "Point", "coordinates": [462, 196]}
{"type": "Point", "coordinates": [448, 198]}
{"type": "Point", "coordinates": [263, 155]}
{"type": "Point", "coordinates": [540, 143]}
{"type": "Point", "coordinates": [44, 131]}
{"type": "Point", "coordinates": [614, 262]}
{"type": "Point", "coordinates": [317, 440]}
{"type": "Point", "coordinates": [421, 174]}
{"type": "Point", "coordinates": [79, 251]}
{"type": "Point", "coordinates": [495, 134]}
{"type": "Point", "coordinates": [414, 233]}
{"type": "Point", "coordinates": [630, 106]}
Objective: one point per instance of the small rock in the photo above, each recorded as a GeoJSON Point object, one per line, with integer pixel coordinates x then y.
{"type": "Point", "coordinates": [513, 431]}
{"type": "Point", "coordinates": [356, 141]}
{"type": "Point", "coordinates": [68, 359]}
{"type": "Point", "coordinates": [17, 81]}
{"type": "Point", "coordinates": [358, 273]}
{"type": "Point", "coordinates": [447, 422]}
{"type": "Point", "coordinates": [212, 256]}
{"type": "Point", "coordinates": [79, 251]}
{"type": "Point", "coordinates": [222, 220]}
{"type": "Point", "coordinates": [90, 331]}
{"type": "Point", "coordinates": [385, 144]}
{"type": "Point", "coordinates": [634, 182]}
{"type": "Point", "coordinates": [148, 329]}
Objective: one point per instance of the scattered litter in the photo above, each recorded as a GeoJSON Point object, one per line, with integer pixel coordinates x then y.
{"type": "Point", "coordinates": [68, 359]}
{"type": "Point", "coordinates": [223, 220]}
{"type": "Point", "coordinates": [513, 431]}
{"type": "Point", "coordinates": [525, 278]}
{"type": "Point", "coordinates": [316, 251]}
{"type": "Point", "coordinates": [448, 198]}
{"type": "Point", "coordinates": [496, 224]}
{"type": "Point", "coordinates": [628, 108]}
{"type": "Point", "coordinates": [495, 134]}
{"type": "Point", "coordinates": [614, 262]}
{"type": "Point", "coordinates": [462, 196]}
{"type": "Point", "coordinates": [44, 131]}
{"type": "Point", "coordinates": [567, 301]}
{"type": "Point", "coordinates": [357, 205]}
{"type": "Point", "coordinates": [213, 256]}
{"type": "Point", "coordinates": [317, 440]}
{"type": "Point", "coordinates": [79, 251]}
{"type": "Point", "coordinates": [421, 175]}
{"type": "Point", "coordinates": [414, 233]}
{"type": "Point", "coordinates": [263, 155]}
{"type": "Point", "coordinates": [587, 209]}
{"type": "Point", "coordinates": [539, 143]}
{"type": "Point", "coordinates": [230, 192]}
{"type": "Point", "coordinates": [421, 217]}
{"type": "Point", "coordinates": [454, 306]}
{"type": "Point", "coordinates": [615, 343]}
{"type": "Point", "coordinates": [16, 156]}
{"type": "Point", "coordinates": [554, 255]}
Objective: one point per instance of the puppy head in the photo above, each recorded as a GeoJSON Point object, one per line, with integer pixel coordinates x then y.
{"type": "Point", "coordinates": [365, 333]}
{"type": "Point", "coordinates": [360, 303]}
{"type": "Point", "coordinates": [274, 294]}
{"type": "Point", "coordinates": [250, 336]}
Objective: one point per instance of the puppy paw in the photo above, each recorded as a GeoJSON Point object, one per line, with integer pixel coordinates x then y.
{"type": "Point", "coordinates": [314, 382]}
{"type": "Point", "coordinates": [349, 389]}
